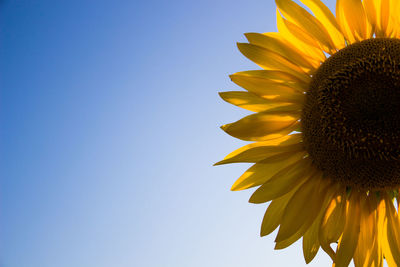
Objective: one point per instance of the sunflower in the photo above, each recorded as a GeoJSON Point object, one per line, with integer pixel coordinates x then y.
{"type": "Point", "coordinates": [325, 133]}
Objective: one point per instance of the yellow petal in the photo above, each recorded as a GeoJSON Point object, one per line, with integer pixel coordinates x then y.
{"type": "Point", "coordinates": [382, 233]}
{"type": "Point", "coordinates": [325, 16]}
{"type": "Point", "coordinates": [303, 208]}
{"type": "Point", "coordinates": [310, 240]}
{"type": "Point", "coordinates": [269, 60]}
{"type": "Point", "coordinates": [273, 215]}
{"type": "Point", "coordinates": [321, 195]}
{"type": "Point", "coordinates": [333, 222]}
{"type": "Point", "coordinates": [379, 13]}
{"type": "Point", "coordinates": [266, 88]}
{"type": "Point", "coordinates": [385, 26]}
{"type": "Point", "coordinates": [353, 20]}
{"type": "Point", "coordinates": [348, 242]}
{"type": "Point", "coordinates": [259, 173]}
{"type": "Point", "coordinates": [278, 76]}
{"type": "Point", "coordinates": [372, 10]}
{"type": "Point", "coordinates": [273, 42]}
{"type": "Point", "coordinates": [367, 238]}
{"type": "Point", "coordinates": [306, 21]}
{"type": "Point", "coordinates": [393, 229]}
{"type": "Point", "coordinates": [300, 38]}
{"type": "Point", "coordinates": [258, 156]}
{"type": "Point", "coordinates": [258, 151]}
{"type": "Point", "coordinates": [389, 18]}
{"type": "Point", "coordinates": [291, 108]}
{"type": "Point", "coordinates": [387, 251]}
{"type": "Point", "coordinates": [394, 20]}
{"type": "Point", "coordinates": [388, 254]}
{"type": "Point", "coordinates": [256, 103]}
{"type": "Point", "coordinates": [282, 182]}
{"type": "Point", "coordinates": [289, 241]}
{"type": "Point", "coordinates": [258, 126]}
{"type": "Point", "coordinates": [376, 256]}
{"type": "Point", "coordinates": [293, 128]}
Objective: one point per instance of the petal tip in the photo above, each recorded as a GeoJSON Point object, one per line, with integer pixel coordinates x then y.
{"type": "Point", "coordinates": [225, 127]}
{"type": "Point", "coordinates": [222, 95]}
{"type": "Point", "coordinates": [241, 46]}
{"type": "Point", "coordinates": [236, 187]}
{"type": "Point", "coordinates": [221, 162]}
{"type": "Point", "coordinates": [254, 200]}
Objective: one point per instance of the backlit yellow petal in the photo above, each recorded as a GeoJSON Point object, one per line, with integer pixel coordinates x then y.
{"type": "Point", "coordinates": [348, 242]}
{"type": "Point", "coordinates": [386, 248]}
{"type": "Point", "coordinates": [382, 232]}
{"type": "Point", "coordinates": [372, 8]}
{"type": "Point", "coordinates": [372, 11]}
{"type": "Point", "coordinates": [259, 173]}
{"type": "Point", "coordinates": [303, 208]}
{"type": "Point", "coordinates": [282, 182]}
{"type": "Point", "coordinates": [307, 22]}
{"type": "Point", "coordinates": [289, 241]}
{"type": "Point", "coordinates": [325, 16]}
{"type": "Point", "coordinates": [273, 42]}
{"type": "Point", "coordinates": [273, 215]}
{"type": "Point", "coordinates": [394, 19]}
{"type": "Point", "coordinates": [300, 38]}
{"type": "Point", "coordinates": [388, 253]}
{"type": "Point", "coordinates": [258, 151]}
{"type": "Point", "coordinates": [379, 13]}
{"type": "Point", "coordinates": [353, 20]}
{"type": "Point", "coordinates": [277, 91]}
{"type": "Point", "coordinates": [269, 60]}
{"type": "Point", "coordinates": [385, 25]}
{"type": "Point", "coordinates": [256, 103]}
{"type": "Point", "coordinates": [291, 108]}
{"type": "Point", "coordinates": [393, 229]}
{"type": "Point", "coordinates": [367, 238]}
{"type": "Point", "coordinates": [258, 126]}
{"type": "Point", "coordinates": [278, 76]}
{"type": "Point", "coordinates": [376, 256]}
{"type": "Point", "coordinates": [263, 155]}
{"type": "Point", "coordinates": [333, 222]}
{"type": "Point", "coordinates": [310, 240]}
{"type": "Point", "coordinates": [319, 200]}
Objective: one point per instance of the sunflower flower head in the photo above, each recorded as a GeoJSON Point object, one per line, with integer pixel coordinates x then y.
{"type": "Point", "coordinates": [325, 133]}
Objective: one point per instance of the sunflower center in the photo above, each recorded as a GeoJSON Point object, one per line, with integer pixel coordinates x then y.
{"type": "Point", "coordinates": [351, 117]}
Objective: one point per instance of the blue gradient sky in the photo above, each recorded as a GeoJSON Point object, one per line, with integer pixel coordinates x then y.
{"type": "Point", "coordinates": [109, 119]}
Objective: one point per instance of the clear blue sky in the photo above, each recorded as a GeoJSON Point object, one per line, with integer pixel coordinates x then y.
{"type": "Point", "coordinates": [109, 119]}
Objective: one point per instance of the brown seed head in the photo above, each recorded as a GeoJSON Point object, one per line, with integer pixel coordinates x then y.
{"type": "Point", "coordinates": [351, 117]}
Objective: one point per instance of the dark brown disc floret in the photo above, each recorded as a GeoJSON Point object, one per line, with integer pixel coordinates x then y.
{"type": "Point", "coordinates": [351, 117]}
